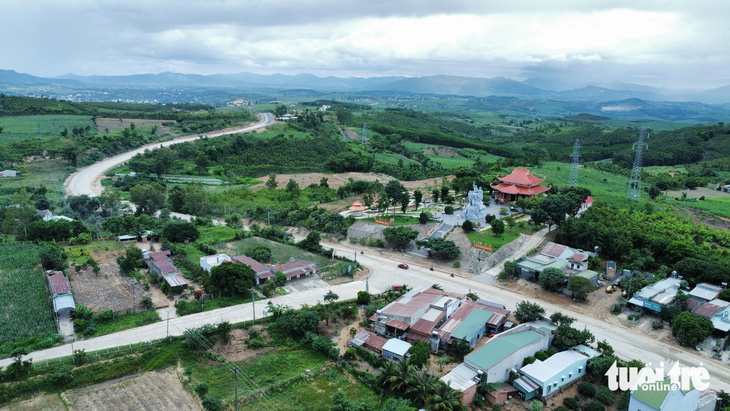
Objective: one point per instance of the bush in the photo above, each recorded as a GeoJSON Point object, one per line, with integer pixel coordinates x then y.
{"type": "Point", "coordinates": [201, 389]}
{"type": "Point", "coordinates": [363, 298]}
{"type": "Point", "coordinates": [571, 403]}
{"type": "Point", "coordinates": [595, 406]}
{"type": "Point", "coordinates": [587, 389]}
{"type": "Point", "coordinates": [448, 210]}
{"type": "Point", "coordinates": [536, 405]}
{"type": "Point", "coordinates": [457, 263]}
{"type": "Point", "coordinates": [541, 355]}
{"type": "Point", "coordinates": [528, 360]}
{"type": "Point", "coordinates": [350, 354]}
{"type": "Point", "coordinates": [560, 408]}
{"type": "Point", "coordinates": [605, 395]}
{"type": "Point", "coordinates": [212, 404]}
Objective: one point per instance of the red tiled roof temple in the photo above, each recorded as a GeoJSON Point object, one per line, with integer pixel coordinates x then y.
{"type": "Point", "coordinates": [519, 183]}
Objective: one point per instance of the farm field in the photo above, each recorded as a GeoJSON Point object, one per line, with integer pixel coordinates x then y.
{"type": "Point", "coordinates": [19, 128]}
{"type": "Point", "coordinates": [280, 253]}
{"type": "Point", "coordinates": [447, 156]}
{"type": "Point", "coordinates": [715, 202]}
{"type": "Point", "coordinates": [26, 309]}
{"type": "Point", "coordinates": [47, 173]}
{"type": "Point", "coordinates": [109, 289]}
{"type": "Point", "coordinates": [105, 124]}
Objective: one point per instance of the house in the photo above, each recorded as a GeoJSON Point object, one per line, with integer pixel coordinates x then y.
{"type": "Point", "coordinates": [261, 272]}
{"type": "Point", "coordinates": [160, 263]}
{"type": "Point", "coordinates": [705, 292]}
{"type": "Point", "coordinates": [46, 215]}
{"type": "Point", "coordinates": [657, 295]}
{"type": "Point", "coordinates": [507, 351]}
{"type": "Point", "coordinates": [552, 255]}
{"type": "Point", "coordinates": [519, 183]}
{"type": "Point", "coordinates": [126, 238]}
{"type": "Point", "coordinates": [591, 275]}
{"type": "Point", "coordinates": [208, 262]}
{"type": "Point", "coordinates": [586, 204]}
{"type": "Point", "coordinates": [544, 379]}
{"type": "Point", "coordinates": [718, 311]}
{"type": "Point", "coordinates": [662, 397]}
{"type": "Point", "coordinates": [395, 349]}
{"type": "Point", "coordinates": [471, 321]}
{"type": "Point", "coordinates": [295, 269]}
{"type": "Point", "coordinates": [369, 341]}
{"type": "Point", "coordinates": [63, 300]}
{"type": "Point", "coordinates": [8, 173]}
{"type": "Point", "coordinates": [463, 379]}
{"type": "Point", "coordinates": [429, 304]}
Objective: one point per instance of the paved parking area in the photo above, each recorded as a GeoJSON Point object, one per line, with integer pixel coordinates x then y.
{"type": "Point", "coordinates": [304, 284]}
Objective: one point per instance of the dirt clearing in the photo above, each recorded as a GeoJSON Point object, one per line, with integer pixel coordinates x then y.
{"type": "Point", "coordinates": [106, 289]}
{"type": "Point", "coordinates": [440, 151]}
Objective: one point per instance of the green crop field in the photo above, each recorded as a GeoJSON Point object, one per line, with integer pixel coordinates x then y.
{"type": "Point", "coordinates": [25, 309]}
{"type": "Point", "coordinates": [18, 128]}
{"type": "Point", "coordinates": [449, 161]}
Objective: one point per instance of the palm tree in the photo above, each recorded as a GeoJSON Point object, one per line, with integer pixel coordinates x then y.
{"type": "Point", "coordinates": [399, 381]}
{"type": "Point", "coordinates": [389, 371]}
{"type": "Point", "coordinates": [419, 385]}
{"type": "Point", "coordinates": [445, 398]}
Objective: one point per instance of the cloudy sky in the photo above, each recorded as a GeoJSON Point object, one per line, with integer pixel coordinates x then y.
{"type": "Point", "coordinates": [674, 44]}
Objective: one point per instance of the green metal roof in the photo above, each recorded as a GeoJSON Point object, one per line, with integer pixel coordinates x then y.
{"type": "Point", "coordinates": [587, 274]}
{"type": "Point", "coordinates": [472, 324]}
{"type": "Point", "coordinates": [501, 347]}
{"type": "Point", "coordinates": [534, 265]}
{"type": "Point", "coordinates": [655, 396]}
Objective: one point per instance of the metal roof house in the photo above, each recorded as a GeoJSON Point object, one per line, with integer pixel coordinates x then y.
{"type": "Point", "coordinates": [546, 378]}
{"type": "Point", "coordinates": [663, 398]}
{"type": "Point", "coordinates": [657, 295]}
{"type": "Point", "coordinates": [552, 255]}
{"type": "Point", "coordinates": [61, 295]}
{"type": "Point", "coordinates": [395, 349]}
{"type": "Point", "coordinates": [471, 321]}
{"type": "Point", "coordinates": [718, 311]}
{"type": "Point", "coordinates": [209, 261]}
{"type": "Point", "coordinates": [463, 379]}
{"type": "Point", "coordinates": [368, 341]}
{"type": "Point", "coordinates": [704, 292]}
{"type": "Point", "coordinates": [429, 304]}
{"type": "Point", "coordinates": [507, 351]}
{"type": "Point", "coordinates": [159, 262]}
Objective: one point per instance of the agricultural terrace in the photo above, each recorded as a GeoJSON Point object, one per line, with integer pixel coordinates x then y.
{"type": "Point", "coordinates": [20, 128]}
{"type": "Point", "coordinates": [25, 310]}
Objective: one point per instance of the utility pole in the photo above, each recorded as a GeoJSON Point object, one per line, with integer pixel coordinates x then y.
{"type": "Point", "coordinates": [235, 382]}
{"type": "Point", "coordinates": [367, 285]}
{"type": "Point", "coordinates": [73, 354]}
{"type": "Point", "coordinates": [268, 215]}
{"type": "Point", "coordinates": [253, 298]}
{"type": "Point", "coordinates": [168, 325]}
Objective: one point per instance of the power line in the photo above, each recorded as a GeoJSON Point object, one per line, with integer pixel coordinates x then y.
{"type": "Point", "coordinates": [634, 193]}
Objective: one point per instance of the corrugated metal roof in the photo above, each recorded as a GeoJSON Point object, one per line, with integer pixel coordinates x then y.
{"type": "Point", "coordinates": [545, 370]}
{"type": "Point", "coordinates": [553, 249]}
{"type": "Point", "coordinates": [501, 347]}
{"type": "Point", "coordinates": [460, 378]}
{"type": "Point", "coordinates": [472, 324]}
{"type": "Point", "coordinates": [63, 303]}
{"type": "Point", "coordinates": [396, 346]}
{"type": "Point", "coordinates": [256, 266]}
{"type": "Point", "coordinates": [710, 308]}
{"type": "Point", "coordinates": [59, 283]}
{"type": "Point", "coordinates": [175, 280]}
{"type": "Point", "coordinates": [425, 326]}
{"type": "Point", "coordinates": [705, 291]}
{"type": "Point", "coordinates": [159, 255]}
{"type": "Point", "coordinates": [401, 325]}
{"type": "Point", "coordinates": [165, 267]}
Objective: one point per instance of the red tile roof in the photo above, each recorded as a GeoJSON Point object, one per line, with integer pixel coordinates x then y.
{"type": "Point", "coordinates": [589, 200]}
{"type": "Point", "coordinates": [513, 189]}
{"type": "Point", "coordinates": [521, 176]}
{"type": "Point", "coordinates": [579, 257]}
{"type": "Point", "coordinates": [553, 249]}
{"type": "Point", "coordinates": [256, 266]}
{"type": "Point", "coordinates": [59, 283]}
{"type": "Point", "coordinates": [707, 309]}
{"type": "Point", "coordinates": [159, 255]}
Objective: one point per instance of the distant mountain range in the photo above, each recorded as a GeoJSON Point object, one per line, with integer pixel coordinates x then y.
{"type": "Point", "coordinates": [536, 88]}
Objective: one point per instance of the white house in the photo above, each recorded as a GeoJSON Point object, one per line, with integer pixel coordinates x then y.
{"type": "Point", "coordinates": [395, 349]}
{"type": "Point", "coordinates": [208, 262]}
{"type": "Point", "coordinates": [8, 173]}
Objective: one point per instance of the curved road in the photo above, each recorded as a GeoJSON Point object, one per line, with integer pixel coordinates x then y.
{"type": "Point", "coordinates": [86, 180]}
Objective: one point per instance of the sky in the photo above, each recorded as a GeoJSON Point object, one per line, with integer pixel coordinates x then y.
{"type": "Point", "coordinates": [672, 44]}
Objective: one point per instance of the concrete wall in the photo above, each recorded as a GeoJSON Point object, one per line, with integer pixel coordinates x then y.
{"type": "Point", "coordinates": [553, 386]}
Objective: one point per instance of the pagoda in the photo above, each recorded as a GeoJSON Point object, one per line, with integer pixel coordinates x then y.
{"type": "Point", "coordinates": [519, 183]}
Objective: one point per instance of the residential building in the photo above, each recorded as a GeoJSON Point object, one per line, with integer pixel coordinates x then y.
{"type": "Point", "coordinates": [661, 397]}
{"type": "Point", "coordinates": [718, 311]}
{"type": "Point", "coordinates": [654, 297]}
{"type": "Point", "coordinates": [63, 300]}
{"type": "Point", "coordinates": [8, 173]}
{"type": "Point", "coordinates": [160, 263]}
{"type": "Point", "coordinates": [431, 305]}
{"type": "Point", "coordinates": [471, 321]}
{"type": "Point", "coordinates": [586, 205]}
{"type": "Point", "coordinates": [261, 272]}
{"type": "Point", "coordinates": [507, 351]}
{"type": "Point", "coordinates": [553, 255]}
{"type": "Point", "coordinates": [544, 379]}
{"type": "Point", "coordinates": [705, 292]}
{"type": "Point", "coordinates": [295, 269]}
{"type": "Point", "coordinates": [369, 341]}
{"type": "Point", "coordinates": [519, 183]}
{"type": "Point", "coordinates": [46, 215]}
{"type": "Point", "coordinates": [463, 379]}
{"type": "Point", "coordinates": [590, 275]}
{"type": "Point", "coordinates": [395, 349]}
{"type": "Point", "coordinates": [208, 262]}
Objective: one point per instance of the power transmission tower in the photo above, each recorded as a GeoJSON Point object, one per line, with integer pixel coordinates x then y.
{"type": "Point", "coordinates": [573, 179]}
{"type": "Point", "coordinates": [364, 133]}
{"type": "Point", "coordinates": [634, 193]}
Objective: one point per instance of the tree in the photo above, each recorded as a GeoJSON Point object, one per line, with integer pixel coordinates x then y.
{"type": "Point", "coordinates": [580, 287]}
{"type": "Point", "coordinates": [422, 218]}
{"type": "Point", "coordinates": [444, 398]}
{"type": "Point", "coordinates": [449, 210]}
{"type": "Point", "coordinates": [497, 227]}
{"type": "Point", "coordinates": [654, 192]}
{"type": "Point", "coordinates": [164, 158]}
{"type": "Point", "coordinates": [691, 329]}
{"type": "Point", "coordinates": [280, 278]}
{"type": "Point", "coordinates": [556, 208]}
{"type": "Point", "coordinates": [311, 243]}
{"type": "Point", "coordinates": [178, 231]}
{"type": "Point", "coordinates": [52, 256]}
{"type": "Point", "coordinates": [323, 182]}
{"type": "Point", "coordinates": [417, 197]}
{"type": "Point", "coordinates": [292, 187]}
{"type": "Point", "coordinates": [271, 182]}
{"type": "Point", "coordinates": [363, 298]}
{"type": "Point", "coordinates": [148, 197]}
{"type": "Point", "coordinates": [605, 395]}
{"type": "Point", "coordinates": [420, 353]}
{"type": "Point", "coordinates": [459, 348]}
{"type": "Point", "coordinates": [552, 278]}
{"type": "Point", "coordinates": [232, 279]}
{"type": "Point", "coordinates": [565, 337]}
{"type": "Point", "coordinates": [440, 248]}
{"type": "Point", "coordinates": [559, 318]}
{"type": "Point", "coordinates": [420, 384]}
{"type": "Point", "coordinates": [435, 194]}
{"type": "Point", "coordinates": [280, 110]}
{"type": "Point", "coordinates": [396, 193]}
{"type": "Point", "coordinates": [527, 311]}
{"type": "Point", "coordinates": [331, 297]}
{"type": "Point", "coordinates": [233, 221]}
{"type": "Point", "coordinates": [399, 237]}
{"type": "Point", "coordinates": [201, 389]}
{"type": "Point", "coordinates": [586, 389]}
{"type": "Point", "coordinates": [467, 226]}
{"type": "Point", "coordinates": [131, 260]}
{"type": "Point", "coordinates": [259, 253]}
{"type": "Point", "coordinates": [146, 302]}
{"type": "Point", "coordinates": [212, 404]}
{"type": "Point", "coordinates": [110, 199]}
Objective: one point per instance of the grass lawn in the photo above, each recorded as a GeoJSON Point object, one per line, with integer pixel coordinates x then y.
{"type": "Point", "coordinates": [280, 253]}
{"type": "Point", "coordinates": [316, 393]}
{"type": "Point", "coordinates": [604, 186]}
{"type": "Point", "coordinates": [217, 234]}
{"type": "Point", "coordinates": [399, 220]}
{"type": "Point", "coordinates": [79, 254]}
{"type": "Point", "coordinates": [19, 128]}
{"type": "Point", "coordinates": [718, 206]}
{"type": "Point", "coordinates": [126, 321]}
{"type": "Point", "coordinates": [488, 238]}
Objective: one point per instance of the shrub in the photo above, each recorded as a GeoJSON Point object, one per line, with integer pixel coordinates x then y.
{"type": "Point", "coordinates": [595, 406]}
{"type": "Point", "coordinates": [535, 405]}
{"type": "Point", "coordinates": [605, 395]}
{"type": "Point", "coordinates": [212, 404]}
{"type": "Point", "coordinates": [571, 403]}
{"type": "Point", "coordinates": [201, 389]}
{"type": "Point", "coordinates": [350, 354]}
{"type": "Point", "coordinates": [363, 298]}
{"type": "Point", "coordinates": [528, 360]}
{"type": "Point", "coordinates": [587, 389]}
{"type": "Point", "coordinates": [541, 355]}
{"type": "Point", "coordinates": [449, 209]}
{"type": "Point", "coordinates": [560, 408]}
{"type": "Point", "coordinates": [457, 263]}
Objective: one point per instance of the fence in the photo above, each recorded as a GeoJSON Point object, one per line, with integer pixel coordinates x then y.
{"type": "Point", "coordinates": [97, 355]}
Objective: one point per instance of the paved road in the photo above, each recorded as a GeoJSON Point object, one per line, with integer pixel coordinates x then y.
{"type": "Point", "coordinates": [628, 343]}
{"type": "Point", "coordinates": [86, 180]}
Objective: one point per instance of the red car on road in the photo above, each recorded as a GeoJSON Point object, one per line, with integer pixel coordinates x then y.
{"type": "Point", "coordinates": [403, 266]}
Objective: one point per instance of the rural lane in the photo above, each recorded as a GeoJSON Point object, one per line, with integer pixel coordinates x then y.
{"type": "Point", "coordinates": [86, 180]}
